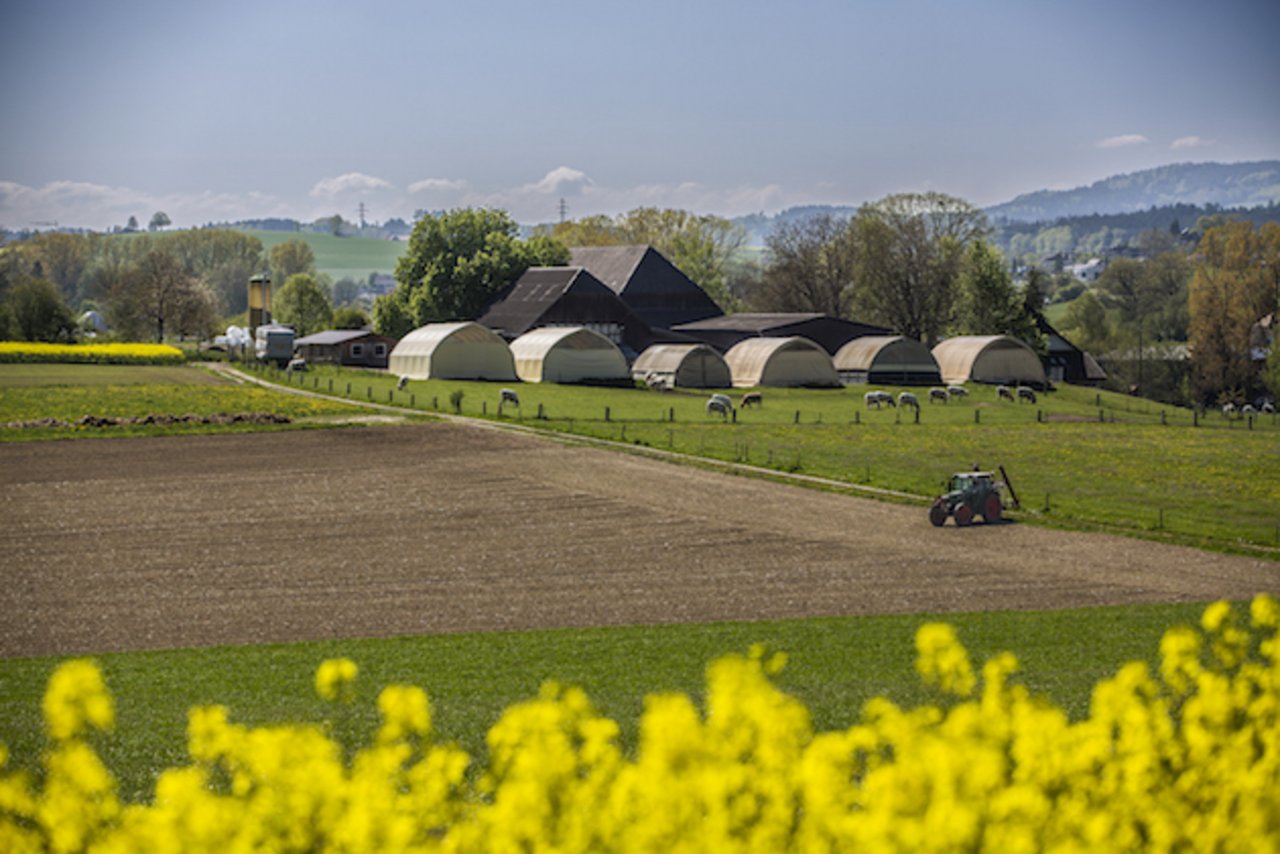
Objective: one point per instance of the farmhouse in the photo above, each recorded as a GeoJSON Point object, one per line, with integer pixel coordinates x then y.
{"type": "Point", "coordinates": [567, 354]}
{"type": "Point", "coordinates": [831, 333]}
{"type": "Point", "coordinates": [792, 361]}
{"type": "Point", "coordinates": [352, 347]}
{"type": "Point", "coordinates": [886, 360]}
{"type": "Point", "coordinates": [683, 365]}
{"type": "Point", "coordinates": [566, 296]}
{"type": "Point", "coordinates": [651, 286]}
{"type": "Point", "coordinates": [989, 359]}
{"type": "Point", "coordinates": [453, 351]}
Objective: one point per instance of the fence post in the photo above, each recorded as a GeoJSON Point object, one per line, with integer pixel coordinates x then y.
{"type": "Point", "coordinates": [368, 392]}
{"type": "Point", "coordinates": [540, 414]}
{"type": "Point", "coordinates": [435, 403]}
{"type": "Point", "coordinates": [734, 415]}
{"type": "Point", "coordinates": [1162, 421]}
{"type": "Point", "coordinates": [977, 416]}
{"type": "Point", "coordinates": [1195, 417]}
{"type": "Point", "coordinates": [484, 407]}
{"type": "Point", "coordinates": [1102, 418]}
{"type": "Point", "coordinates": [413, 400]}
{"type": "Point", "coordinates": [673, 414]}
{"type": "Point", "coordinates": [1039, 416]}
{"type": "Point", "coordinates": [797, 419]}
{"type": "Point", "coordinates": [606, 413]}
{"type": "Point", "coordinates": [857, 416]}
{"type": "Point", "coordinates": [917, 415]}
{"type": "Point", "coordinates": [391, 395]}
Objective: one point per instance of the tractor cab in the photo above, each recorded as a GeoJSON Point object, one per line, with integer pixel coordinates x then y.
{"type": "Point", "coordinates": [969, 481]}
{"type": "Point", "coordinates": [971, 494]}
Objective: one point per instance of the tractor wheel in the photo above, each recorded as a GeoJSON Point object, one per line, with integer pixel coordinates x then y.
{"type": "Point", "coordinates": [964, 516]}
{"type": "Point", "coordinates": [992, 509]}
{"type": "Point", "coordinates": [938, 513]}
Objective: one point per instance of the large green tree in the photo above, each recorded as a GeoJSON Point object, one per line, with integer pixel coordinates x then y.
{"type": "Point", "coordinates": [911, 248]}
{"type": "Point", "coordinates": [987, 303]}
{"type": "Point", "coordinates": [303, 304]}
{"type": "Point", "coordinates": [149, 297]}
{"type": "Point", "coordinates": [37, 311]}
{"type": "Point", "coordinates": [456, 264]}
{"type": "Point", "coordinates": [290, 258]}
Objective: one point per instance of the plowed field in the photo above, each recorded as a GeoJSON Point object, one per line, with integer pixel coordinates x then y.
{"type": "Point", "coordinates": [137, 544]}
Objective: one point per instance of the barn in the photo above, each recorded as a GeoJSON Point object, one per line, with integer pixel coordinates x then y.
{"type": "Point", "coordinates": [453, 351]}
{"type": "Point", "coordinates": [887, 360]}
{"type": "Point", "coordinates": [830, 333]}
{"type": "Point", "coordinates": [683, 365]}
{"type": "Point", "coordinates": [653, 287]}
{"type": "Point", "coordinates": [568, 354]}
{"type": "Point", "coordinates": [353, 347]}
{"type": "Point", "coordinates": [989, 359]}
{"type": "Point", "coordinates": [793, 361]}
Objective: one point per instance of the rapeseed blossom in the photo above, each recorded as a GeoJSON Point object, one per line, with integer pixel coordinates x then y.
{"type": "Point", "coordinates": [1185, 755]}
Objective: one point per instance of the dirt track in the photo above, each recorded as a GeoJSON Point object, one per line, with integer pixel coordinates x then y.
{"type": "Point", "coordinates": [172, 542]}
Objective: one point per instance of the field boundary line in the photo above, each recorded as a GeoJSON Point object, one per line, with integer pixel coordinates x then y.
{"type": "Point", "coordinates": [744, 469]}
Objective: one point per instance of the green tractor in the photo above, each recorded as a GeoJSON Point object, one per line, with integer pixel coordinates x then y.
{"type": "Point", "coordinates": [971, 494]}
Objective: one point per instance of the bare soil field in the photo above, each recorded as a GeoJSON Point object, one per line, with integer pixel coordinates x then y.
{"type": "Point", "coordinates": [136, 544]}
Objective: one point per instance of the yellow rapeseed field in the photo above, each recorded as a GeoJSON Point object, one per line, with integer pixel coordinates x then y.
{"type": "Point", "coordinates": [115, 354]}
{"type": "Point", "coordinates": [1187, 758]}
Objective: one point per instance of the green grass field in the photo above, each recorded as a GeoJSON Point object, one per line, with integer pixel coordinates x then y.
{"type": "Point", "coordinates": [29, 392]}
{"type": "Point", "coordinates": [341, 256]}
{"type": "Point", "coordinates": [835, 665]}
{"type": "Point", "coordinates": [1078, 457]}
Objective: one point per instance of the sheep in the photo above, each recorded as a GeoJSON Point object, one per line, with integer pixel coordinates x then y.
{"type": "Point", "coordinates": [1003, 392]}
{"type": "Point", "coordinates": [1027, 394]}
{"type": "Point", "coordinates": [715, 404]}
{"type": "Point", "coordinates": [506, 396]}
{"type": "Point", "coordinates": [1268, 408]}
{"type": "Point", "coordinates": [1228, 410]}
{"type": "Point", "coordinates": [957, 391]}
{"type": "Point", "coordinates": [724, 399]}
{"type": "Point", "coordinates": [656, 382]}
{"type": "Point", "coordinates": [876, 398]}
{"type": "Point", "coordinates": [753, 398]}
{"type": "Point", "coordinates": [938, 394]}
{"type": "Point", "coordinates": [908, 399]}
{"type": "Point", "coordinates": [296, 365]}
{"type": "Point", "coordinates": [1248, 409]}
{"type": "Point", "coordinates": [402, 383]}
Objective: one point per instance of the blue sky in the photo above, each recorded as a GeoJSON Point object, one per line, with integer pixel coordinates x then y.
{"type": "Point", "coordinates": [226, 110]}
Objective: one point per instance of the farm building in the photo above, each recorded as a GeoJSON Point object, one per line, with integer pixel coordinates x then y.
{"type": "Point", "coordinates": [566, 296]}
{"type": "Point", "coordinates": [831, 333]}
{"type": "Point", "coordinates": [352, 347]}
{"type": "Point", "coordinates": [650, 285]}
{"type": "Point", "coordinates": [1065, 362]}
{"type": "Point", "coordinates": [989, 359]}
{"type": "Point", "coordinates": [683, 365]}
{"type": "Point", "coordinates": [888, 360]}
{"type": "Point", "coordinates": [453, 351]}
{"type": "Point", "coordinates": [793, 361]}
{"type": "Point", "coordinates": [568, 354]}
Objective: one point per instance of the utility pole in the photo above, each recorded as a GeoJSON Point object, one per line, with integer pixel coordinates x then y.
{"type": "Point", "coordinates": [362, 212]}
{"type": "Point", "coordinates": [564, 208]}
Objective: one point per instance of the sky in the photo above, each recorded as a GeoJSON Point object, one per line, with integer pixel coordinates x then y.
{"type": "Point", "coordinates": [220, 111]}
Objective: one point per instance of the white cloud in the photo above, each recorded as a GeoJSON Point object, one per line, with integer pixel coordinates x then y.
{"type": "Point", "coordinates": [1186, 142]}
{"type": "Point", "coordinates": [1123, 141]}
{"type": "Point", "coordinates": [559, 180]}
{"type": "Point", "coordinates": [351, 182]}
{"type": "Point", "coordinates": [427, 185]}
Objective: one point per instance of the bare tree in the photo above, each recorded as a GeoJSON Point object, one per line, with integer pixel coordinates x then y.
{"type": "Point", "coordinates": [812, 266]}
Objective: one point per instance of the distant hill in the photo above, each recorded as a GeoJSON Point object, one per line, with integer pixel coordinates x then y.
{"type": "Point", "coordinates": [340, 257]}
{"type": "Point", "coordinates": [1228, 185]}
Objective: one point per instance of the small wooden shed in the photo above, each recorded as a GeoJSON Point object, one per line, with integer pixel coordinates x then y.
{"type": "Point", "coordinates": [683, 365]}
{"type": "Point", "coordinates": [352, 347]}
{"type": "Point", "coordinates": [568, 354]}
{"type": "Point", "coordinates": [793, 361]}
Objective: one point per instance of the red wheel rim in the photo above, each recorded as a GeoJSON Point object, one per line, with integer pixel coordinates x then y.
{"type": "Point", "coordinates": [938, 514]}
{"type": "Point", "coordinates": [993, 509]}
{"type": "Point", "coordinates": [963, 515]}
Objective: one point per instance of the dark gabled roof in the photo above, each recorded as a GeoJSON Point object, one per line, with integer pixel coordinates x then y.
{"type": "Point", "coordinates": [752, 322]}
{"type": "Point", "coordinates": [653, 287]}
{"type": "Point", "coordinates": [336, 336]}
{"type": "Point", "coordinates": [519, 309]}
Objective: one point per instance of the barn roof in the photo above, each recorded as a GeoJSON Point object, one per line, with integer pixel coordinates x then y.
{"type": "Point", "coordinates": [462, 350]}
{"type": "Point", "coordinates": [654, 288]}
{"type": "Point", "coordinates": [588, 354]}
{"type": "Point", "coordinates": [336, 336]}
{"type": "Point", "coordinates": [861, 354]}
{"type": "Point", "coordinates": [988, 358]}
{"type": "Point", "coordinates": [759, 361]}
{"type": "Point", "coordinates": [692, 365]}
{"type": "Point", "coordinates": [831, 333]}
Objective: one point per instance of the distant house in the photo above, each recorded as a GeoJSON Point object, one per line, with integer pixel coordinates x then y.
{"type": "Point", "coordinates": [568, 296]}
{"type": "Point", "coordinates": [651, 286]}
{"type": "Point", "coordinates": [352, 347]}
{"type": "Point", "coordinates": [1089, 271]}
{"type": "Point", "coordinates": [831, 333]}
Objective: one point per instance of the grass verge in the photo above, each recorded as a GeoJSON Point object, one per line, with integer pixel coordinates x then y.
{"type": "Point", "coordinates": [835, 666]}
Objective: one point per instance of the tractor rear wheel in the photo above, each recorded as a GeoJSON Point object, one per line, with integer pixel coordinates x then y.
{"type": "Point", "coordinates": [938, 513]}
{"type": "Point", "coordinates": [964, 516]}
{"type": "Point", "coordinates": [992, 509]}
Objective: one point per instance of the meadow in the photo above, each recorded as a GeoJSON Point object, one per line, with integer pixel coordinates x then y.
{"type": "Point", "coordinates": [341, 257]}
{"type": "Point", "coordinates": [1077, 457]}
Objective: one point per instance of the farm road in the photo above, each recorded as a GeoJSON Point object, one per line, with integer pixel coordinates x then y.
{"type": "Point", "coordinates": [134, 544]}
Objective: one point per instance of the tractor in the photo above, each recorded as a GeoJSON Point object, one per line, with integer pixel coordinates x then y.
{"type": "Point", "coordinates": [970, 494]}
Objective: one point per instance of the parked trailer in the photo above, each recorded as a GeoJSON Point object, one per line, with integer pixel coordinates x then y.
{"type": "Point", "coordinates": [273, 343]}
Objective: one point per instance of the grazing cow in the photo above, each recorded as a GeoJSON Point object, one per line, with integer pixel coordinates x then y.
{"type": "Point", "coordinates": [724, 399]}
{"type": "Point", "coordinates": [957, 391]}
{"type": "Point", "coordinates": [1027, 394]}
{"type": "Point", "coordinates": [1248, 409]}
{"type": "Point", "coordinates": [876, 398]}
{"type": "Point", "coordinates": [753, 398]}
{"type": "Point", "coordinates": [1268, 407]}
{"type": "Point", "coordinates": [715, 404]}
{"type": "Point", "coordinates": [402, 383]}
{"type": "Point", "coordinates": [508, 395]}
{"type": "Point", "coordinates": [908, 399]}
{"type": "Point", "coordinates": [1003, 392]}
{"type": "Point", "coordinates": [938, 394]}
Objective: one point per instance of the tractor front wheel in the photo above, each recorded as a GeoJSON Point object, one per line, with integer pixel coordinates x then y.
{"type": "Point", "coordinates": [938, 513]}
{"type": "Point", "coordinates": [992, 509]}
{"type": "Point", "coordinates": [964, 516]}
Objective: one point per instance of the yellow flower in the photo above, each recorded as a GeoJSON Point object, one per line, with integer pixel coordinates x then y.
{"type": "Point", "coordinates": [76, 700]}
{"type": "Point", "coordinates": [942, 661]}
{"type": "Point", "coordinates": [335, 678]}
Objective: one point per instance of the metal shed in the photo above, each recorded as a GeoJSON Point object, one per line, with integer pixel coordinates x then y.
{"type": "Point", "coordinates": [989, 359]}
{"type": "Point", "coordinates": [793, 361]}
{"type": "Point", "coordinates": [683, 365]}
{"type": "Point", "coordinates": [567, 354]}
{"type": "Point", "coordinates": [888, 360]}
{"type": "Point", "coordinates": [453, 351]}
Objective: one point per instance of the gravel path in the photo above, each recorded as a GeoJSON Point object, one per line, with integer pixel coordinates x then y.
{"type": "Point", "coordinates": [133, 544]}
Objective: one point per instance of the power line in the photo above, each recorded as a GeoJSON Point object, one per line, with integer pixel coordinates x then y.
{"type": "Point", "coordinates": [564, 208]}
